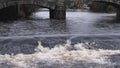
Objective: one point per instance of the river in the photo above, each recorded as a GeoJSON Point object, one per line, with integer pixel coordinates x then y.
{"type": "Point", "coordinates": [83, 40]}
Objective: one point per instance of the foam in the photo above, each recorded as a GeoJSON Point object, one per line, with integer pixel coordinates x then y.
{"type": "Point", "coordinates": [60, 54]}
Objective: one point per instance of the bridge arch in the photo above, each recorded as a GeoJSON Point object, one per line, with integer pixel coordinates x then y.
{"type": "Point", "coordinates": [115, 4]}
{"type": "Point", "coordinates": [23, 11]}
{"type": "Point", "coordinates": [108, 3]}
{"type": "Point", "coordinates": [43, 3]}
{"type": "Point", "coordinates": [56, 7]}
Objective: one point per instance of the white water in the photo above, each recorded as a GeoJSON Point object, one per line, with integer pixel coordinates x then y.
{"type": "Point", "coordinates": [77, 23]}
{"type": "Point", "coordinates": [60, 54]}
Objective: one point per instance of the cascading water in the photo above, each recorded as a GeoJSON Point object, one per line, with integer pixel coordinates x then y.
{"type": "Point", "coordinates": [84, 40]}
{"type": "Point", "coordinates": [65, 55]}
{"type": "Point", "coordinates": [60, 56]}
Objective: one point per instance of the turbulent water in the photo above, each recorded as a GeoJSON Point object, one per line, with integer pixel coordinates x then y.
{"type": "Point", "coordinates": [83, 40]}
{"type": "Point", "coordinates": [66, 55]}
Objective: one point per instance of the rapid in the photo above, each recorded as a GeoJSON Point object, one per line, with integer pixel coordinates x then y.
{"type": "Point", "coordinates": [83, 40]}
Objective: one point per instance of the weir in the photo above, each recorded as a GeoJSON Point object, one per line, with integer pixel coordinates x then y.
{"type": "Point", "coordinates": [84, 40]}
{"type": "Point", "coordinates": [65, 52]}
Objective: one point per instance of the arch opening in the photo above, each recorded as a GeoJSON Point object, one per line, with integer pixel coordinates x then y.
{"type": "Point", "coordinates": [22, 11]}
{"type": "Point", "coordinates": [115, 5]}
{"type": "Point", "coordinates": [41, 13]}
{"type": "Point", "coordinates": [103, 6]}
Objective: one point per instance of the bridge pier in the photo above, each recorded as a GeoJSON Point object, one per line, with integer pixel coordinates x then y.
{"type": "Point", "coordinates": [57, 14]}
{"type": "Point", "coordinates": [118, 14]}
{"type": "Point", "coordinates": [60, 10]}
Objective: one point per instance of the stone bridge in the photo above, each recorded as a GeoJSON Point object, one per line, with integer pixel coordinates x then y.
{"type": "Point", "coordinates": [57, 8]}
{"type": "Point", "coordinates": [114, 3]}
{"type": "Point", "coordinates": [43, 3]}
